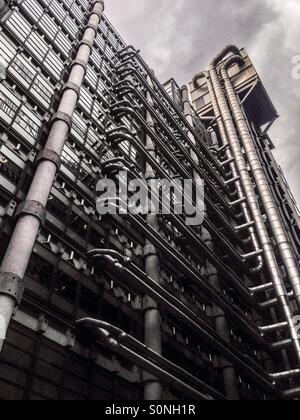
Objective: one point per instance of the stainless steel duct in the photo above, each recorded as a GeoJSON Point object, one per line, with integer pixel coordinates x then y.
{"type": "Point", "coordinates": [128, 347]}
{"type": "Point", "coordinates": [250, 195]}
{"type": "Point", "coordinates": [234, 171]}
{"type": "Point", "coordinates": [126, 270]}
{"type": "Point", "coordinates": [279, 232]}
{"type": "Point", "coordinates": [31, 212]}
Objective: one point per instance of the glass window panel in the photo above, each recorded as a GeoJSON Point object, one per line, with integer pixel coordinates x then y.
{"type": "Point", "coordinates": [54, 64]}
{"type": "Point", "coordinates": [27, 122]}
{"type": "Point", "coordinates": [19, 26]}
{"type": "Point", "coordinates": [8, 105]}
{"type": "Point", "coordinates": [7, 51]}
{"type": "Point", "coordinates": [49, 27]}
{"type": "Point", "coordinates": [57, 10]}
{"type": "Point", "coordinates": [71, 26]}
{"type": "Point", "coordinates": [91, 77]}
{"type": "Point", "coordinates": [43, 89]}
{"type": "Point", "coordinates": [33, 8]}
{"type": "Point", "coordinates": [86, 100]}
{"type": "Point", "coordinates": [24, 69]}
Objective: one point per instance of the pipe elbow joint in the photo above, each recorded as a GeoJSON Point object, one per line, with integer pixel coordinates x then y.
{"type": "Point", "coordinates": [199, 76]}
{"type": "Point", "coordinates": [229, 48]}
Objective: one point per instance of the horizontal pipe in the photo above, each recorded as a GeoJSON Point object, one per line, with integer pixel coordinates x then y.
{"type": "Point", "coordinates": [274, 327]}
{"type": "Point", "coordinates": [286, 375]}
{"type": "Point", "coordinates": [188, 317]}
{"type": "Point", "coordinates": [117, 341]}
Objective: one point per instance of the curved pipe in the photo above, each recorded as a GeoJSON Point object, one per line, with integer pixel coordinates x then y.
{"type": "Point", "coordinates": [192, 320]}
{"type": "Point", "coordinates": [228, 49]}
{"type": "Point", "coordinates": [245, 211]}
{"type": "Point", "coordinates": [271, 261]}
{"type": "Point", "coordinates": [126, 87]}
{"type": "Point", "coordinates": [128, 71]}
{"type": "Point", "coordinates": [235, 59]}
{"type": "Point", "coordinates": [125, 107]}
{"type": "Point", "coordinates": [263, 186]}
{"type": "Point", "coordinates": [126, 346]}
{"type": "Point", "coordinates": [118, 135]}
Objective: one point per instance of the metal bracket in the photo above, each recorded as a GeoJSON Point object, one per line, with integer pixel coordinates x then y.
{"type": "Point", "coordinates": [100, 13]}
{"type": "Point", "coordinates": [79, 62]}
{"type": "Point", "coordinates": [92, 26]}
{"type": "Point", "coordinates": [33, 208]}
{"type": "Point", "coordinates": [11, 285]}
{"type": "Point", "coordinates": [71, 86]}
{"type": "Point", "coordinates": [51, 156]}
{"type": "Point", "coordinates": [62, 116]}
{"type": "Point", "coordinates": [149, 250]}
{"type": "Point", "coordinates": [86, 42]}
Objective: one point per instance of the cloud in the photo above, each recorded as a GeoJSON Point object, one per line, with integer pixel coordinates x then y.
{"type": "Point", "coordinates": [179, 37]}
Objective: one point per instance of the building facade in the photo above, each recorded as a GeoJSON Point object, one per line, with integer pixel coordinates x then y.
{"type": "Point", "coordinates": [126, 306]}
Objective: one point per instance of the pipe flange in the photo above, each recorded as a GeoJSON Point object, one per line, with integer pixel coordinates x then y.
{"type": "Point", "coordinates": [99, 14]}
{"type": "Point", "coordinates": [86, 42]}
{"type": "Point", "coordinates": [11, 285]}
{"type": "Point", "coordinates": [79, 62]}
{"type": "Point", "coordinates": [51, 156]}
{"type": "Point", "coordinates": [32, 208]}
{"type": "Point", "coordinates": [149, 250]}
{"type": "Point", "coordinates": [62, 116]}
{"type": "Point", "coordinates": [71, 86]}
{"type": "Point", "coordinates": [92, 26]}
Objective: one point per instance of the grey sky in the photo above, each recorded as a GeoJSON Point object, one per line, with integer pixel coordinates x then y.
{"type": "Point", "coordinates": [179, 37]}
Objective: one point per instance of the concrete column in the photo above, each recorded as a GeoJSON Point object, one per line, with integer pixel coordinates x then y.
{"type": "Point", "coordinates": [152, 319]}
{"type": "Point", "coordinates": [32, 212]}
{"type": "Point", "coordinates": [221, 324]}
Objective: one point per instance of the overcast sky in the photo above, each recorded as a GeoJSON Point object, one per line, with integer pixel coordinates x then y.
{"type": "Point", "coordinates": [179, 37]}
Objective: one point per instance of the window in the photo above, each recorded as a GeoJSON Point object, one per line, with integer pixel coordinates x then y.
{"type": "Point", "coordinates": [70, 160]}
{"type": "Point", "coordinates": [86, 100]}
{"type": "Point", "coordinates": [42, 88]}
{"type": "Point", "coordinates": [24, 69]}
{"type": "Point", "coordinates": [71, 26]}
{"type": "Point", "coordinates": [33, 8]}
{"type": "Point", "coordinates": [79, 128]}
{"type": "Point", "coordinates": [7, 106]}
{"type": "Point", "coordinates": [18, 26]}
{"type": "Point", "coordinates": [91, 77]}
{"type": "Point", "coordinates": [27, 123]}
{"type": "Point", "coordinates": [54, 64]}
{"type": "Point", "coordinates": [7, 51]}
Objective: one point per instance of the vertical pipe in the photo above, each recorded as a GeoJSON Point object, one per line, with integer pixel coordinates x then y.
{"type": "Point", "coordinates": [234, 172]}
{"type": "Point", "coordinates": [268, 201]}
{"type": "Point", "coordinates": [19, 251]}
{"type": "Point", "coordinates": [248, 188]}
{"type": "Point", "coordinates": [152, 318]}
{"type": "Point", "coordinates": [228, 372]}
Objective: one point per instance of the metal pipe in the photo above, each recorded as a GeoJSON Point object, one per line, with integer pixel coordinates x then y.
{"type": "Point", "coordinates": [292, 394]}
{"type": "Point", "coordinates": [228, 371]}
{"type": "Point", "coordinates": [235, 174]}
{"type": "Point", "coordinates": [275, 327]}
{"type": "Point", "coordinates": [286, 375]}
{"type": "Point", "coordinates": [19, 250]}
{"type": "Point", "coordinates": [270, 258]}
{"type": "Point", "coordinates": [117, 136]}
{"type": "Point", "coordinates": [126, 346]}
{"type": "Point", "coordinates": [268, 201]}
{"type": "Point", "coordinates": [180, 311]}
{"type": "Point", "coordinates": [152, 318]}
